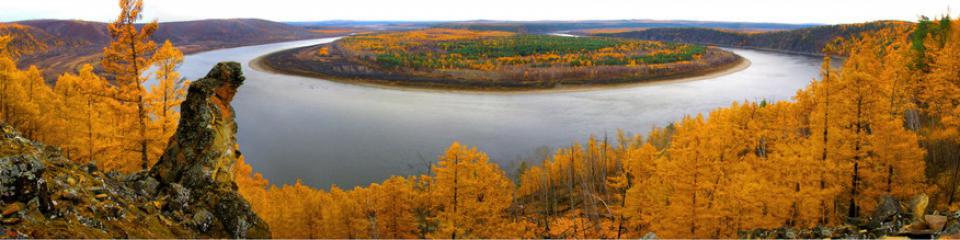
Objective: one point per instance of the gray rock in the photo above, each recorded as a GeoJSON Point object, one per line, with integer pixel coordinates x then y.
{"type": "Point", "coordinates": [202, 220]}
{"type": "Point", "coordinates": [201, 155]}
{"type": "Point", "coordinates": [178, 197]}
{"type": "Point", "coordinates": [20, 177]}
{"type": "Point", "coordinates": [790, 233]}
{"type": "Point", "coordinates": [886, 208]}
{"type": "Point", "coordinates": [953, 227]}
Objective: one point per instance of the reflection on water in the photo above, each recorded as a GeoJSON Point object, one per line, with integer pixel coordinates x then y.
{"type": "Point", "coordinates": [327, 133]}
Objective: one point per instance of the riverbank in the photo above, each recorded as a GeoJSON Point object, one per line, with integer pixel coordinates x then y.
{"type": "Point", "coordinates": [268, 63]}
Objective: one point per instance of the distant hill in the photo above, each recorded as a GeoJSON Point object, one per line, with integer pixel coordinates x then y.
{"type": "Point", "coordinates": [60, 45]}
{"type": "Point", "coordinates": [561, 26]}
{"type": "Point", "coordinates": [369, 25]}
{"type": "Point", "coordinates": [810, 40]}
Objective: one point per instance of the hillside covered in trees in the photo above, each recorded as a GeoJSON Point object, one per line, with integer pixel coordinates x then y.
{"type": "Point", "coordinates": [809, 40]}
{"type": "Point", "coordinates": [454, 58]}
{"type": "Point", "coordinates": [542, 27]}
{"type": "Point", "coordinates": [58, 46]}
{"type": "Point", "coordinates": [866, 150]}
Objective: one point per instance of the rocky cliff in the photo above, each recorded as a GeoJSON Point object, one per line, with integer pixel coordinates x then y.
{"type": "Point", "coordinates": [190, 193]}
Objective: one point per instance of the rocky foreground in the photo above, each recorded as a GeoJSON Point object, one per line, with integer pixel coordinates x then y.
{"type": "Point", "coordinates": [190, 193]}
{"type": "Point", "coordinates": [892, 218]}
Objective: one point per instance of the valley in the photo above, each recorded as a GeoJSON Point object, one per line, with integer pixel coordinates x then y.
{"type": "Point", "coordinates": [554, 120]}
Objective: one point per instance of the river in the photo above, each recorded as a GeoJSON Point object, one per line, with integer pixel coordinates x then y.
{"type": "Point", "coordinates": [326, 132]}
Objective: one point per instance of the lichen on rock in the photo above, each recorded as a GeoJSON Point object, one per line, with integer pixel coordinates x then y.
{"type": "Point", "coordinates": [200, 157]}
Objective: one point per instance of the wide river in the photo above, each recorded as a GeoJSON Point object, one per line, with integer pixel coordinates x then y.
{"type": "Point", "coordinates": [325, 132]}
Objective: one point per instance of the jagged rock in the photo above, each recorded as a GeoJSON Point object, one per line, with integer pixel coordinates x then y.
{"type": "Point", "coordinates": [178, 197]}
{"type": "Point", "coordinates": [143, 183]}
{"type": "Point", "coordinates": [201, 154]}
{"type": "Point", "coordinates": [887, 208]}
{"type": "Point", "coordinates": [202, 220]}
{"type": "Point", "coordinates": [20, 177]}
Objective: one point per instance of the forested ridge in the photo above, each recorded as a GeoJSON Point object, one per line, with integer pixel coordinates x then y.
{"type": "Point", "coordinates": [58, 46]}
{"type": "Point", "coordinates": [884, 124]}
{"type": "Point", "coordinates": [809, 40]}
{"type": "Point", "coordinates": [543, 27]}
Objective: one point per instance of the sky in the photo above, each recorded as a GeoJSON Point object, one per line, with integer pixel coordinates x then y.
{"type": "Point", "coordinates": [778, 11]}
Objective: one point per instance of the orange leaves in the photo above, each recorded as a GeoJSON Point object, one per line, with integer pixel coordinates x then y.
{"type": "Point", "coordinates": [324, 51]}
{"type": "Point", "coordinates": [165, 96]}
{"type": "Point", "coordinates": [472, 194]}
{"type": "Point", "coordinates": [446, 49]}
{"type": "Point", "coordinates": [126, 59]}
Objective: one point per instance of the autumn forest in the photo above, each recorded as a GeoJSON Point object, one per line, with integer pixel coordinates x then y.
{"type": "Point", "coordinates": [878, 126]}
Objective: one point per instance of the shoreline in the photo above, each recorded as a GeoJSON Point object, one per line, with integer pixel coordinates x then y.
{"type": "Point", "coordinates": [741, 64]}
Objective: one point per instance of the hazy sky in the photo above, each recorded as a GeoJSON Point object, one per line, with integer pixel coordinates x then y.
{"type": "Point", "coordinates": [792, 11]}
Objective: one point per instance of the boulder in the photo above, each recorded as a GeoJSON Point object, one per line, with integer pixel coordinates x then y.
{"type": "Point", "coordinates": [200, 156]}
{"type": "Point", "coordinates": [20, 177]}
{"type": "Point", "coordinates": [886, 209]}
{"type": "Point", "coordinates": [936, 222]}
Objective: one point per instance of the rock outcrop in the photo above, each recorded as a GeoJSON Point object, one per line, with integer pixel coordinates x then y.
{"type": "Point", "coordinates": [190, 193]}
{"type": "Point", "coordinates": [195, 173]}
{"type": "Point", "coordinates": [45, 195]}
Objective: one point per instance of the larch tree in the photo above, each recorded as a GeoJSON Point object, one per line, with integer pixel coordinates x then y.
{"type": "Point", "coordinates": [472, 194]}
{"type": "Point", "coordinates": [819, 102]}
{"type": "Point", "coordinates": [127, 59]}
{"type": "Point", "coordinates": [646, 196]}
{"type": "Point", "coordinates": [393, 204]}
{"type": "Point", "coordinates": [165, 96]}
{"type": "Point", "coordinates": [84, 112]}
{"type": "Point", "coordinates": [687, 170]}
{"type": "Point", "coordinates": [17, 98]}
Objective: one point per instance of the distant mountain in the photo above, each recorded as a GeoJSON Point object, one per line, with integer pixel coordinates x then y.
{"type": "Point", "coordinates": [221, 33]}
{"type": "Point", "coordinates": [60, 45]}
{"type": "Point", "coordinates": [561, 26]}
{"type": "Point", "coordinates": [810, 40]}
{"type": "Point", "coordinates": [365, 25]}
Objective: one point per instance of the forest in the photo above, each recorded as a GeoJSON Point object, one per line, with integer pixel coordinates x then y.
{"type": "Point", "coordinates": [886, 123]}
{"type": "Point", "coordinates": [808, 40]}
{"type": "Point", "coordinates": [544, 27]}
{"type": "Point", "coordinates": [469, 59]}
{"type": "Point", "coordinates": [460, 49]}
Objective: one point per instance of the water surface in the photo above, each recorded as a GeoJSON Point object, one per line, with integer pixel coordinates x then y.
{"type": "Point", "coordinates": [326, 132]}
